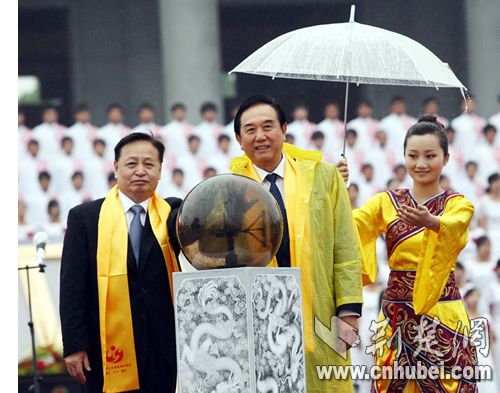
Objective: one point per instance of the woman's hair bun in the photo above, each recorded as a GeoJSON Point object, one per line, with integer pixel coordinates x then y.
{"type": "Point", "coordinates": [430, 119]}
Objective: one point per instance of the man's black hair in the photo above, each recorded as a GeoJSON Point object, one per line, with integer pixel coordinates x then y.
{"type": "Point", "coordinates": [257, 100]}
{"type": "Point", "coordinates": [52, 203]}
{"type": "Point", "coordinates": [193, 137]}
{"type": "Point", "coordinates": [114, 106]}
{"type": "Point", "coordinates": [44, 174]}
{"type": "Point", "coordinates": [223, 137]}
{"type": "Point", "coordinates": [139, 136]}
{"type": "Point", "coordinates": [66, 139]}
{"type": "Point", "coordinates": [76, 174]}
{"type": "Point", "coordinates": [317, 135]}
{"type": "Point", "coordinates": [428, 100]}
{"type": "Point", "coordinates": [208, 106]}
{"type": "Point", "coordinates": [145, 105]}
{"type": "Point", "coordinates": [397, 99]}
{"type": "Point", "coordinates": [177, 170]}
{"type": "Point", "coordinates": [177, 105]}
{"type": "Point", "coordinates": [82, 108]}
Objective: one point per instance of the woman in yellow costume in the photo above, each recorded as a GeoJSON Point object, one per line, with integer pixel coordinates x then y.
{"type": "Point", "coordinates": [423, 322]}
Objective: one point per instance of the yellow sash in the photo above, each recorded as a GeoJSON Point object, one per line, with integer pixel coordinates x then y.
{"type": "Point", "coordinates": [115, 317]}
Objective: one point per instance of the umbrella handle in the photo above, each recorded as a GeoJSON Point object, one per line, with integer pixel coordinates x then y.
{"type": "Point", "coordinates": [345, 118]}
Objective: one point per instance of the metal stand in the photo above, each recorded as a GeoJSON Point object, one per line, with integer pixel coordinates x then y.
{"type": "Point", "coordinates": [35, 387]}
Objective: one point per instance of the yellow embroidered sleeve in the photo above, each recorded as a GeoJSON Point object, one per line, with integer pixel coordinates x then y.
{"type": "Point", "coordinates": [439, 253]}
{"type": "Point", "coordinates": [369, 223]}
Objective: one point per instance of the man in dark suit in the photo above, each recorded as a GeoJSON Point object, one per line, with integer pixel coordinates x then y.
{"type": "Point", "coordinates": [138, 161]}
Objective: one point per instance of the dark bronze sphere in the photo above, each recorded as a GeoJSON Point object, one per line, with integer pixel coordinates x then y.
{"type": "Point", "coordinates": [229, 221]}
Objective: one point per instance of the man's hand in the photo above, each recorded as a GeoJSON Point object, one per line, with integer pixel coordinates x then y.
{"type": "Point", "coordinates": [75, 364]}
{"type": "Point", "coordinates": [343, 168]}
{"type": "Point", "coordinates": [348, 331]}
{"type": "Point", "coordinates": [418, 217]}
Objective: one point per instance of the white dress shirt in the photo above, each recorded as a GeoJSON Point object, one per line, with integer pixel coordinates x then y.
{"type": "Point", "coordinates": [280, 181]}
{"type": "Point", "coordinates": [127, 203]}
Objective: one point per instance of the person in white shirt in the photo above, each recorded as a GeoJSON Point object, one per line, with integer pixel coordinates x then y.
{"type": "Point", "coordinates": [146, 114]}
{"type": "Point", "coordinates": [38, 200]}
{"type": "Point", "coordinates": [392, 184]}
{"type": "Point", "coordinates": [193, 163]}
{"type": "Point", "coordinates": [381, 156]}
{"type": "Point", "coordinates": [364, 124]}
{"type": "Point", "coordinates": [25, 230]}
{"type": "Point", "coordinates": [176, 133]}
{"type": "Point", "coordinates": [222, 158]}
{"type": "Point", "coordinates": [473, 299]}
{"type": "Point", "coordinates": [49, 133]}
{"type": "Point", "coordinates": [470, 186]}
{"type": "Point", "coordinates": [493, 296]}
{"type": "Point", "coordinates": [479, 269]}
{"type": "Point", "coordinates": [83, 132]}
{"type": "Point", "coordinates": [430, 106]}
{"type": "Point", "coordinates": [234, 147]}
{"type": "Point", "coordinates": [318, 143]}
{"type": "Point", "coordinates": [74, 195]}
{"type": "Point", "coordinates": [366, 183]}
{"type": "Point", "coordinates": [444, 183]}
{"type": "Point", "coordinates": [396, 124]}
{"type": "Point", "coordinates": [468, 125]}
{"type": "Point", "coordinates": [96, 169]}
{"type": "Point", "coordinates": [23, 134]}
{"type": "Point", "coordinates": [455, 167]}
{"type": "Point", "coordinates": [495, 120]}
{"type": "Point", "coordinates": [111, 180]}
{"type": "Point", "coordinates": [208, 130]}
{"type": "Point", "coordinates": [353, 191]}
{"type": "Point", "coordinates": [114, 130]}
{"type": "Point", "coordinates": [55, 227]}
{"type": "Point", "coordinates": [402, 176]}
{"type": "Point", "coordinates": [209, 172]}
{"type": "Point", "coordinates": [301, 128]}
{"type": "Point", "coordinates": [29, 166]}
{"type": "Point", "coordinates": [353, 155]}
{"type": "Point", "coordinates": [487, 153]}
{"type": "Point", "coordinates": [174, 187]}
{"type": "Point", "coordinates": [332, 128]}
{"type": "Point", "coordinates": [489, 213]}
{"type": "Point", "coordinates": [63, 166]}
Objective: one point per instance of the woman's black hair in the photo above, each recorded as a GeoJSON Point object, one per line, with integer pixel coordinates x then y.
{"type": "Point", "coordinates": [428, 124]}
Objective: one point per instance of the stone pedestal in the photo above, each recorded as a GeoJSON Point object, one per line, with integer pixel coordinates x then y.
{"type": "Point", "coordinates": [239, 330]}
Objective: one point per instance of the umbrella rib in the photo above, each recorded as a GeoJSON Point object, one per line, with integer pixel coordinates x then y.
{"type": "Point", "coordinates": [347, 40]}
{"type": "Point", "coordinates": [267, 58]}
{"type": "Point", "coordinates": [422, 74]}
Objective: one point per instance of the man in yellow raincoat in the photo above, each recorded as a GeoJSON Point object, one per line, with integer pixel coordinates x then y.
{"type": "Point", "coordinates": [319, 234]}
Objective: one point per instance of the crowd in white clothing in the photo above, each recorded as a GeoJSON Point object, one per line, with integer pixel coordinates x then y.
{"type": "Point", "coordinates": [75, 164]}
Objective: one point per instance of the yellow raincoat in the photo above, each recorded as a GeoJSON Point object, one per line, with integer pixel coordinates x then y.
{"type": "Point", "coordinates": [324, 244]}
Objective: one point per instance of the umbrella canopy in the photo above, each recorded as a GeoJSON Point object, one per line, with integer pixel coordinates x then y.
{"type": "Point", "coordinates": [350, 52]}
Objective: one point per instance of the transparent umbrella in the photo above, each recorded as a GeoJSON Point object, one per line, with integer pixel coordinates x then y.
{"type": "Point", "coordinates": [352, 53]}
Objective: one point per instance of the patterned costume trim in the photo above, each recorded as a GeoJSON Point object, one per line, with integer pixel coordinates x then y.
{"type": "Point", "coordinates": [400, 287]}
{"type": "Point", "coordinates": [396, 307]}
{"type": "Point", "coordinates": [397, 232]}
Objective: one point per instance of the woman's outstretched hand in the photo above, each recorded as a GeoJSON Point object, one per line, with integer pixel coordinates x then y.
{"type": "Point", "coordinates": [418, 217]}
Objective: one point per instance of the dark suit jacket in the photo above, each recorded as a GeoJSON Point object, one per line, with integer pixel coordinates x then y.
{"type": "Point", "coordinates": [149, 292]}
